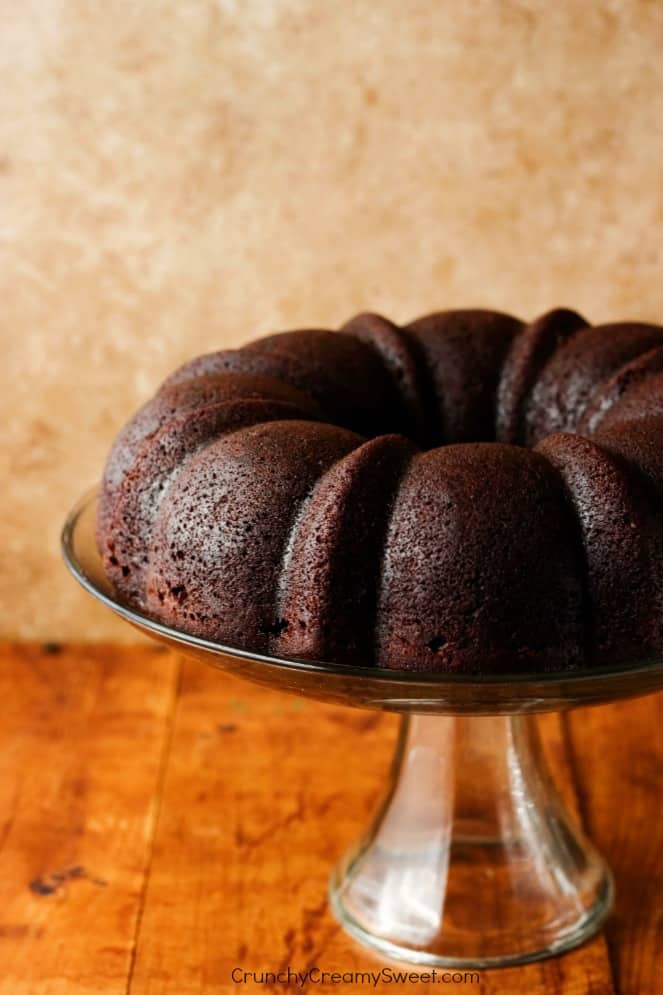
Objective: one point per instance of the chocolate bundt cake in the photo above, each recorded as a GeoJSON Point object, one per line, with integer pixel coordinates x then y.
{"type": "Point", "coordinates": [467, 493]}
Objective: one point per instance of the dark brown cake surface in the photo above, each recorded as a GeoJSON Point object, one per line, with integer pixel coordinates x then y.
{"type": "Point", "coordinates": [465, 493]}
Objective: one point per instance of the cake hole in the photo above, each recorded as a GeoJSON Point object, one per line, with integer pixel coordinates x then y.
{"type": "Point", "coordinates": [179, 592]}
{"type": "Point", "coordinates": [125, 571]}
{"type": "Point", "coordinates": [436, 644]}
{"type": "Point", "coordinates": [276, 627]}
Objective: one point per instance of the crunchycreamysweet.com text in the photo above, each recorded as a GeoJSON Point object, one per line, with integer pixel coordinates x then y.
{"type": "Point", "coordinates": [289, 977]}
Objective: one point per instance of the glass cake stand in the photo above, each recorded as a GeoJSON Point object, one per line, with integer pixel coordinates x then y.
{"type": "Point", "coordinates": [471, 859]}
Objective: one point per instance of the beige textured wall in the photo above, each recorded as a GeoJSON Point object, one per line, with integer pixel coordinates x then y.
{"type": "Point", "coordinates": [180, 174]}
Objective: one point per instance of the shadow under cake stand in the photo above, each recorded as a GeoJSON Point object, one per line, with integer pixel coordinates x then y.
{"type": "Point", "coordinates": [471, 859]}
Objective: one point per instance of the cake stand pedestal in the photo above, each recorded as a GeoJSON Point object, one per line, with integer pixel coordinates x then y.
{"type": "Point", "coordinates": [471, 859]}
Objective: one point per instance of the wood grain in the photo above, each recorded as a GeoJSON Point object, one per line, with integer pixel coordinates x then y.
{"type": "Point", "coordinates": [619, 772]}
{"type": "Point", "coordinates": [158, 833]}
{"type": "Point", "coordinates": [82, 736]}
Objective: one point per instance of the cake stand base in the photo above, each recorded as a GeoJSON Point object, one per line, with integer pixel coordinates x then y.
{"type": "Point", "coordinates": [472, 859]}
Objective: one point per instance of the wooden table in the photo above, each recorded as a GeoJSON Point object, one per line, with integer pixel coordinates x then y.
{"type": "Point", "coordinates": [163, 825]}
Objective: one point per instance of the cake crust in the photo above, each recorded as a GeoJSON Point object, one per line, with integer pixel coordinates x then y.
{"type": "Point", "coordinates": [466, 493]}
